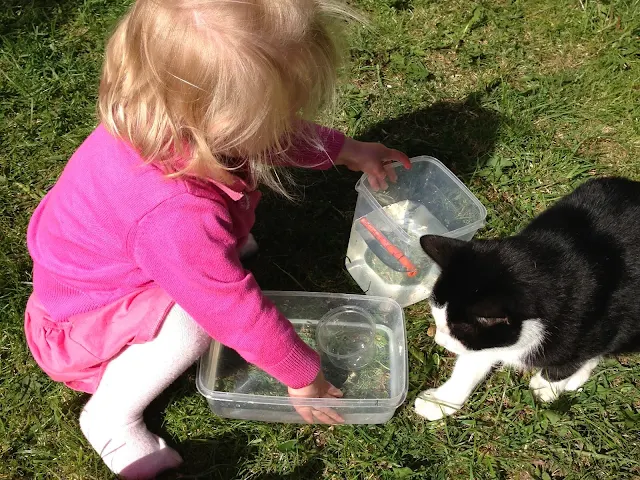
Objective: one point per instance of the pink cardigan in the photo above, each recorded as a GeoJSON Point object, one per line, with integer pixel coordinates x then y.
{"type": "Point", "coordinates": [112, 225]}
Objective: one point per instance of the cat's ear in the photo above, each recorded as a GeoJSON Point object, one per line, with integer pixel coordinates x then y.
{"type": "Point", "coordinates": [440, 249]}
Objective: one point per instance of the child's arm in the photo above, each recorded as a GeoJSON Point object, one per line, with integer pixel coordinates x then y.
{"type": "Point", "coordinates": [337, 149]}
{"type": "Point", "coordinates": [320, 156]}
{"type": "Point", "coordinates": [187, 246]}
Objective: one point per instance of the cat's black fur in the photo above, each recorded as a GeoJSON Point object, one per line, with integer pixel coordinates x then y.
{"type": "Point", "coordinates": [576, 267]}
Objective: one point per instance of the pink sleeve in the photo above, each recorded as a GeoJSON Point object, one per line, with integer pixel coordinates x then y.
{"type": "Point", "coordinates": [187, 247]}
{"type": "Point", "coordinates": [316, 157]}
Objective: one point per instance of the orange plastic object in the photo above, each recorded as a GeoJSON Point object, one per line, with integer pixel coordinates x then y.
{"type": "Point", "coordinates": [412, 270]}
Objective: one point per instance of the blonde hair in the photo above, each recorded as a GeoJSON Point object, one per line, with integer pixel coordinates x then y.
{"type": "Point", "coordinates": [192, 83]}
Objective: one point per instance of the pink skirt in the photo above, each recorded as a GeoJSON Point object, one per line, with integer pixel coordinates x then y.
{"type": "Point", "coordinates": [76, 351]}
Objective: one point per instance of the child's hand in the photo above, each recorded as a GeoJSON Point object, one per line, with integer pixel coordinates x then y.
{"type": "Point", "coordinates": [320, 388]}
{"type": "Point", "coordinates": [372, 159]}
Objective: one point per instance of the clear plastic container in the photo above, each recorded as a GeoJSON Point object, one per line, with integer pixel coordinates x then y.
{"type": "Point", "coordinates": [235, 389]}
{"type": "Point", "coordinates": [384, 255]}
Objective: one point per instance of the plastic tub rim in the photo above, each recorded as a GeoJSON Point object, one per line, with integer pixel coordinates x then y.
{"type": "Point", "coordinates": [361, 188]}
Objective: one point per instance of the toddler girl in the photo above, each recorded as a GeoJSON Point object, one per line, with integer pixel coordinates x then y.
{"type": "Point", "coordinates": [137, 248]}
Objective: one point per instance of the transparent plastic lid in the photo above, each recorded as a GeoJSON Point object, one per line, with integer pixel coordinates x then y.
{"type": "Point", "coordinates": [381, 379]}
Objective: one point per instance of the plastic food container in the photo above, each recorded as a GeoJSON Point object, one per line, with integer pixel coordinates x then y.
{"type": "Point", "coordinates": [372, 392]}
{"type": "Point", "coordinates": [384, 255]}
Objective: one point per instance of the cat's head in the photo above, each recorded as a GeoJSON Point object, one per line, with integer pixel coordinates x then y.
{"type": "Point", "coordinates": [477, 302]}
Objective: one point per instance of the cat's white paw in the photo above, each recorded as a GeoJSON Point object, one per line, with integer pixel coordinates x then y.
{"type": "Point", "coordinates": [545, 390]}
{"type": "Point", "coordinates": [431, 407]}
{"type": "Point", "coordinates": [578, 379]}
{"type": "Point", "coordinates": [576, 382]}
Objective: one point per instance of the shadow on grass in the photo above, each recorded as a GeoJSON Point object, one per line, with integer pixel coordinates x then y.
{"type": "Point", "coordinates": [18, 16]}
{"type": "Point", "coordinates": [461, 134]}
{"type": "Point", "coordinates": [215, 460]}
{"type": "Point", "coordinates": [219, 458]}
{"type": "Point", "coordinates": [303, 244]}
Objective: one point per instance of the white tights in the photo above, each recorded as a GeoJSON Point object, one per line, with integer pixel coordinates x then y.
{"type": "Point", "coordinates": [112, 419]}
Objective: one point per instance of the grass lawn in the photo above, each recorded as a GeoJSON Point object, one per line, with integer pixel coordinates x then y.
{"type": "Point", "coordinates": [523, 100]}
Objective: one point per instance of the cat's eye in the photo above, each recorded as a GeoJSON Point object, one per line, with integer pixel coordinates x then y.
{"type": "Point", "coordinates": [491, 321]}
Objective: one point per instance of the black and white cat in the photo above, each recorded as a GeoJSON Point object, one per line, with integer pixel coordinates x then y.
{"type": "Point", "coordinates": [556, 297]}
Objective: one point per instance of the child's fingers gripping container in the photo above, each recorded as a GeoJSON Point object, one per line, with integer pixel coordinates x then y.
{"type": "Point", "coordinates": [384, 255]}
{"type": "Point", "coordinates": [361, 340]}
